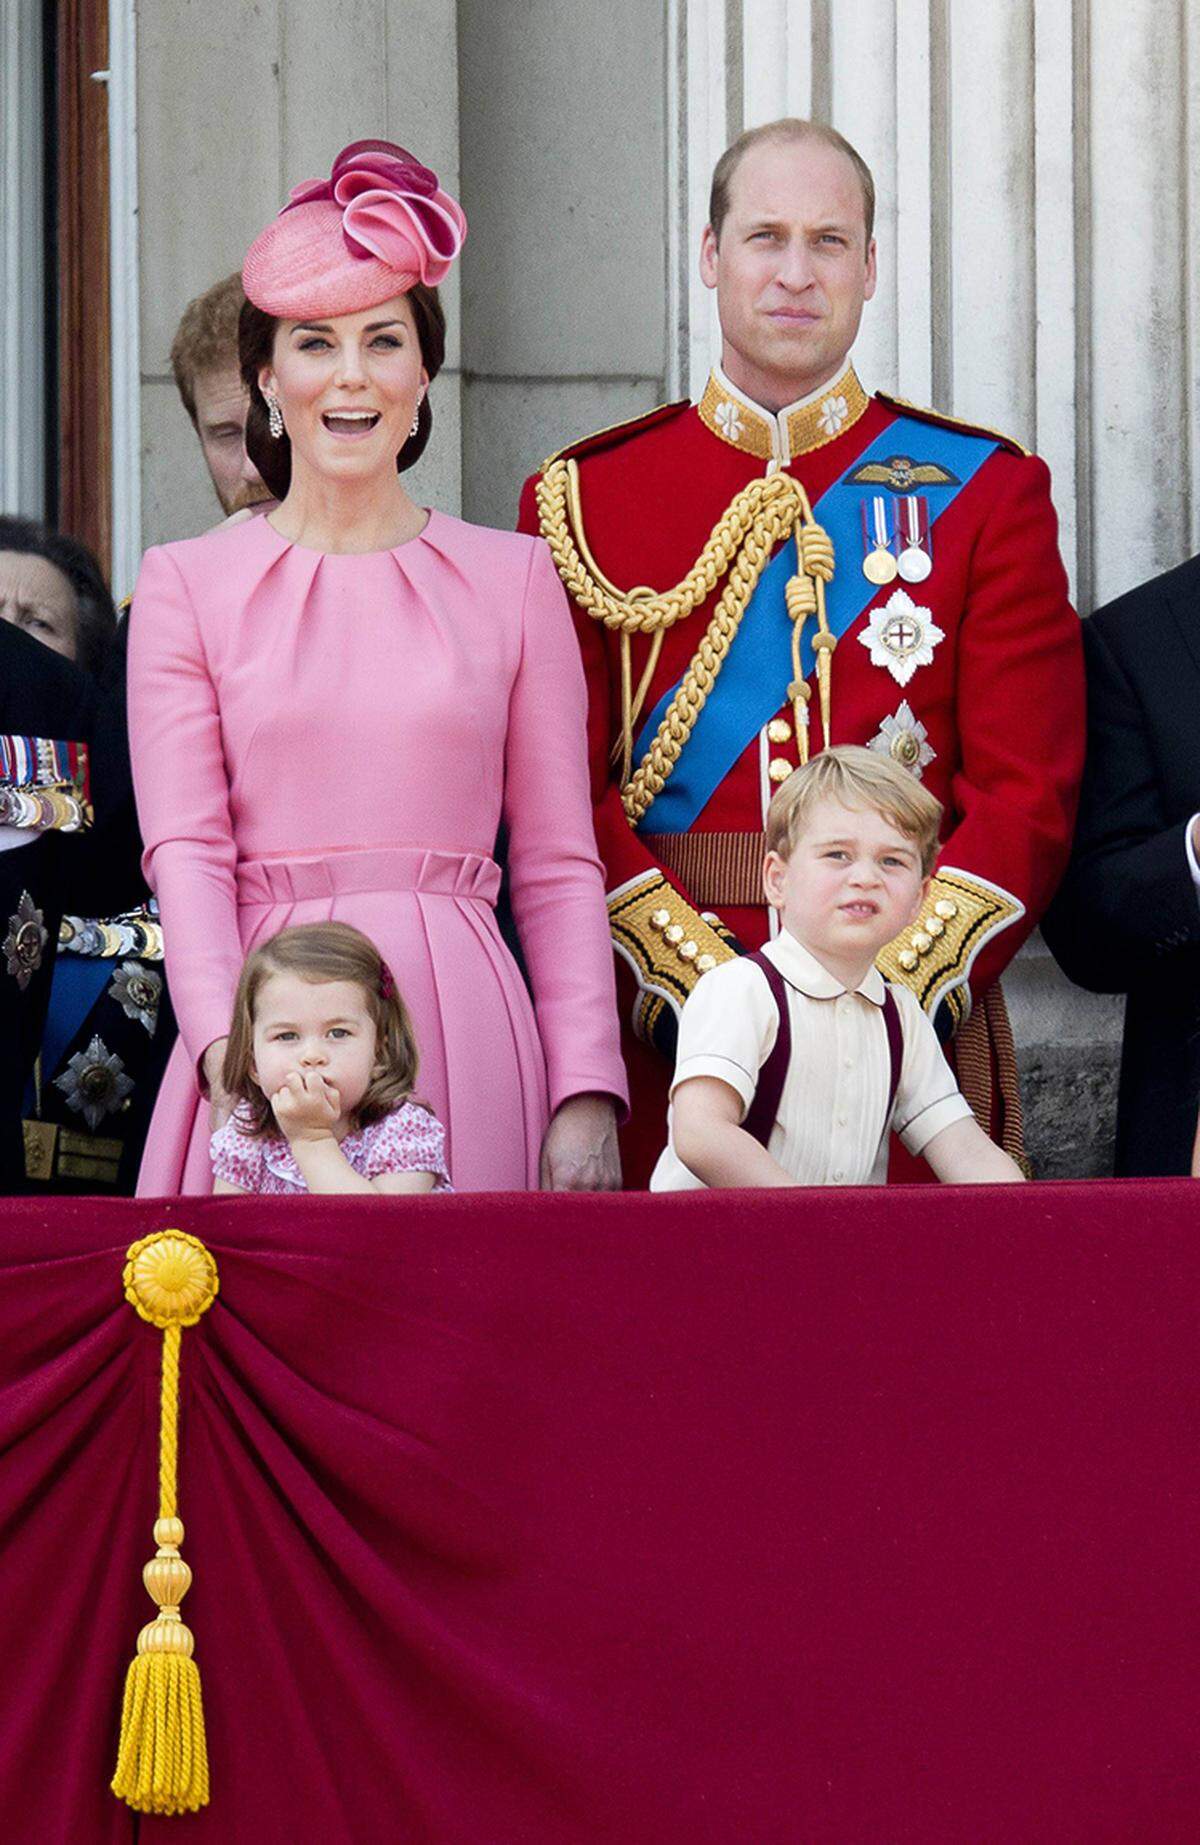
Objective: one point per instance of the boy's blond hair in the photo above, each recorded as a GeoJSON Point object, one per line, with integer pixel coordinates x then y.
{"type": "Point", "coordinates": [857, 778]}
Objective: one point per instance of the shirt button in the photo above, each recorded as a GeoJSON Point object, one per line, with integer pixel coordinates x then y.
{"type": "Point", "coordinates": [839, 1174]}
{"type": "Point", "coordinates": [841, 1120]}
{"type": "Point", "coordinates": [849, 1063]}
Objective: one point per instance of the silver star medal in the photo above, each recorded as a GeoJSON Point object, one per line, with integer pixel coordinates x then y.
{"type": "Point", "coordinates": [94, 1083]}
{"type": "Point", "coordinates": [901, 636]}
{"type": "Point", "coordinates": [137, 990]}
{"type": "Point", "coordinates": [905, 739]}
{"type": "Point", "coordinates": [23, 946]}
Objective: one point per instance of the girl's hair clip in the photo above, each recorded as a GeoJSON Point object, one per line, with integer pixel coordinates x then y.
{"type": "Point", "coordinates": [387, 986]}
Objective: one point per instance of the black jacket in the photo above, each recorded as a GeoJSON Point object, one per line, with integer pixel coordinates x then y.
{"type": "Point", "coordinates": [41, 695]}
{"type": "Point", "coordinates": [1127, 919]}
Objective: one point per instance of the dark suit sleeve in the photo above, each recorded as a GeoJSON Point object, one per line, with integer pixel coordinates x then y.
{"type": "Point", "coordinates": [43, 695]}
{"type": "Point", "coordinates": [113, 879]}
{"type": "Point", "coordinates": [1128, 897]}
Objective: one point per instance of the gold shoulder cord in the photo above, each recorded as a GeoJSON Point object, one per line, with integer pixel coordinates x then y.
{"type": "Point", "coordinates": [738, 550]}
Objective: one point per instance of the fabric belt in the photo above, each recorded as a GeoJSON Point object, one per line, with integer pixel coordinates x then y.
{"type": "Point", "coordinates": [715, 869]}
{"type": "Point", "coordinates": [470, 875]}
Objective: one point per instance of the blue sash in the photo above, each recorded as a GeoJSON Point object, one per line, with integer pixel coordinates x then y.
{"type": "Point", "coordinates": [750, 686]}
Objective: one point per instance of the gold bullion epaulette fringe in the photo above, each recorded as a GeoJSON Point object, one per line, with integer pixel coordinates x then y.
{"type": "Point", "coordinates": [933, 958]}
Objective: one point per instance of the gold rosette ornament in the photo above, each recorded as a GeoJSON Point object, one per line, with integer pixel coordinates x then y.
{"type": "Point", "coordinates": [170, 1279]}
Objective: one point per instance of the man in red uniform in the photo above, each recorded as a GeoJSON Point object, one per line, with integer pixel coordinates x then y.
{"type": "Point", "coordinates": [791, 563]}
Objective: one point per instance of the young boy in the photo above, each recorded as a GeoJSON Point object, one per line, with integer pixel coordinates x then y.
{"type": "Point", "coordinates": [851, 843]}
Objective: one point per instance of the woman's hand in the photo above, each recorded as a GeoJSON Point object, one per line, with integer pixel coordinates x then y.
{"type": "Point", "coordinates": [220, 1102]}
{"type": "Point", "coordinates": [579, 1153]}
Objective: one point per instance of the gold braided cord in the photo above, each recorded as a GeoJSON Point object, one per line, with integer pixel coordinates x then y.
{"type": "Point", "coordinates": [168, 1428]}
{"type": "Point", "coordinates": [769, 504]}
{"type": "Point", "coordinates": [738, 550]}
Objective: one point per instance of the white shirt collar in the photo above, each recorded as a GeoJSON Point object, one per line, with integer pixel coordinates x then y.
{"type": "Point", "coordinates": [803, 971]}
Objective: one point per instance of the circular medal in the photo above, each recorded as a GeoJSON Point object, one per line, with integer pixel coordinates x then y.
{"type": "Point", "coordinates": [915, 564]}
{"type": "Point", "coordinates": [879, 566]}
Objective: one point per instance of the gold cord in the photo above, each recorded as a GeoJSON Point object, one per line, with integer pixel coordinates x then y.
{"type": "Point", "coordinates": [738, 550]}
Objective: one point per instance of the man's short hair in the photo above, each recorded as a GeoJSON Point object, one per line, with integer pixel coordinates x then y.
{"type": "Point", "coordinates": [787, 128]}
{"type": "Point", "coordinates": [207, 337]}
{"type": "Point", "coordinates": [860, 779]}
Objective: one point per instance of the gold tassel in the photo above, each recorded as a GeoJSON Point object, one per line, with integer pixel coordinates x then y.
{"type": "Point", "coordinates": [170, 1279]}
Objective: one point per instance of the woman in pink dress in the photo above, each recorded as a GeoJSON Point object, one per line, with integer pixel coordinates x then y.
{"type": "Point", "coordinates": [335, 705]}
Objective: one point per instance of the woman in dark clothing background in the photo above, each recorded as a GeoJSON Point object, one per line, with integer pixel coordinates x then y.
{"type": "Point", "coordinates": [97, 1004]}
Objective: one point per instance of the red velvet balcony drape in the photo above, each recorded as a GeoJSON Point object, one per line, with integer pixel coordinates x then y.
{"type": "Point", "coordinates": [816, 1517]}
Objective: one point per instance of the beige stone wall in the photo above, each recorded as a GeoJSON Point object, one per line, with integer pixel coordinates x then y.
{"type": "Point", "coordinates": [563, 136]}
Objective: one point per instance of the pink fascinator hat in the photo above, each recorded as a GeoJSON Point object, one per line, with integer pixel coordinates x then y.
{"type": "Point", "coordinates": [379, 224]}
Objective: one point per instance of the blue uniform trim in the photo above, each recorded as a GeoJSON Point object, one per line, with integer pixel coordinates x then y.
{"type": "Point", "coordinates": [750, 686]}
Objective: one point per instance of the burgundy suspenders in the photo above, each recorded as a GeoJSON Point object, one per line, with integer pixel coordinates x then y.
{"type": "Point", "coordinates": [761, 1115]}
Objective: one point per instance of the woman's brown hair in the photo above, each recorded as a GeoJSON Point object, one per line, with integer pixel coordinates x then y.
{"type": "Point", "coordinates": [271, 455]}
{"type": "Point", "coordinates": [319, 952]}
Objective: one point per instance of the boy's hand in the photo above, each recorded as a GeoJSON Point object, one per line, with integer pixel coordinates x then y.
{"type": "Point", "coordinates": [306, 1107]}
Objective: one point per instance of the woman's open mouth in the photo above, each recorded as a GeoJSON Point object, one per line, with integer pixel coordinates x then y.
{"type": "Point", "coordinates": [350, 422]}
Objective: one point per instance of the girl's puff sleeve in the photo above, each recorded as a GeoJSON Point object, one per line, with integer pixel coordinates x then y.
{"type": "Point", "coordinates": [182, 791]}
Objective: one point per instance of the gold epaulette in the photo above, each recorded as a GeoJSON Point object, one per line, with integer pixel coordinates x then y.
{"type": "Point", "coordinates": [933, 958]}
{"type": "Point", "coordinates": [613, 434]}
{"type": "Point", "coordinates": [925, 415]}
{"type": "Point", "coordinates": [667, 943]}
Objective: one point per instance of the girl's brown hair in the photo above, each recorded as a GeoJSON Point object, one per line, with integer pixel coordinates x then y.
{"type": "Point", "coordinates": [319, 952]}
{"type": "Point", "coordinates": [271, 455]}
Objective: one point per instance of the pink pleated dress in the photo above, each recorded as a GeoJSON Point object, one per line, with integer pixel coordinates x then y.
{"type": "Point", "coordinates": [318, 736]}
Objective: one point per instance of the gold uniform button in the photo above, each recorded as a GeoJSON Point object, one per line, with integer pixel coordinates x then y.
{"type": "Point", "coordinates": [705, 963]}
{"type": "Point", "coordinates": [933, 925]}
{"type": "Point", "coordinates": [779, 731]}
{"type": "Point", "coordinates": [659, 918]}
{"type": "Point", "coordinates": [944, 907]}
{"type": "Point", "coordinates": [674, 934]}
{"type": "Point", "coordinates": [779, 770]}
{"type": "Point", "coordinates": [687, 951]}
{"type": "Point", "coordinates": [920, 941]}
{"type": "Point", "coordinates": [907, 959]}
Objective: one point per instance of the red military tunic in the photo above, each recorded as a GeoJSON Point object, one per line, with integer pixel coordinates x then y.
{"type": "Point", "coordinates": [973, 679]}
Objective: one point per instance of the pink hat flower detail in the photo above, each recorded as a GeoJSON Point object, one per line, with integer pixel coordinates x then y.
{"type": "Point", "coordinates": [392, 209]}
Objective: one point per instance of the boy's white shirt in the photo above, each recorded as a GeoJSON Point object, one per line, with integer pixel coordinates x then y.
{"type": "Point", "coordinates": [830, 1126]}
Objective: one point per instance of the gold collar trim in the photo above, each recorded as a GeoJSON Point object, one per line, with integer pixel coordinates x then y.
{"type": "Point", "coordinates": [799, 427]}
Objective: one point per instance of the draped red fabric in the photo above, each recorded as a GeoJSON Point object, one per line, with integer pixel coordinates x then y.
{"type": "Point", "coordinates": [699, 1520]}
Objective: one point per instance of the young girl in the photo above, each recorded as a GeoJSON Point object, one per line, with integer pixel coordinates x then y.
{"type": "Point", "coordinates": [321, 1062]}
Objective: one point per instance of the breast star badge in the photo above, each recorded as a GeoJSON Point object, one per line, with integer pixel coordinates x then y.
{"type": "Point", "coordinates": [905, 739]}
{"type": "Point", "coordinates": [26, 939]}
{"type": "Point", "coordinates": [901, 636]}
